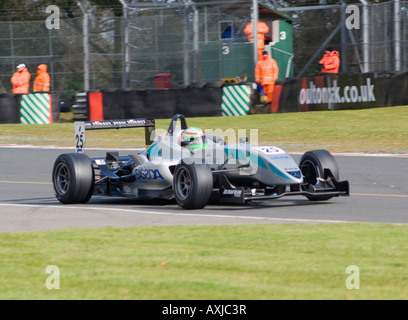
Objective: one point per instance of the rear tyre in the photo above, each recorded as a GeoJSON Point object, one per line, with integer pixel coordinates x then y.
{"type": "Point", "coordinates": [192, 185]}
{"type": "Point", "coordinates": [73, 178]}
{"type": "Point", "coordinates": [312, 164]}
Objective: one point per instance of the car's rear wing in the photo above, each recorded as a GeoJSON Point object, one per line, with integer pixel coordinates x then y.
{"type": "Point", "coordinates": [82, 126]}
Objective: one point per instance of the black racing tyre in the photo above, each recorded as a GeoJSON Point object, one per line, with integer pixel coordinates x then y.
{"type": "Point", "coordinates": [73, 178]}
{"type": "Point", "coordinates": [312, 164]}
{"type": "Point", "coordinates": [192, 185]}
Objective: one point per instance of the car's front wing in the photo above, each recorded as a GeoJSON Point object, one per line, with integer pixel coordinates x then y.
{"type": "Point", "coordinates": [324, 189]}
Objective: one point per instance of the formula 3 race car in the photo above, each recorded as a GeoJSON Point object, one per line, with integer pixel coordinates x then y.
{"type": "Point", "coordinates": [193, 168]}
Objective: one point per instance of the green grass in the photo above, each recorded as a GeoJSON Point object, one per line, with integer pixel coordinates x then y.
{"type": "Point", "coordinates": [370, 130]}
{"type": "Point", "coordinates": [261, 262]}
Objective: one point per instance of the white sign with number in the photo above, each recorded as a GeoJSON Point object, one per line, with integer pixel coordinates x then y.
{"type": "Point", "coordinates": [225, 50]}
{"type": "Point", "coordinates": [79, 136]}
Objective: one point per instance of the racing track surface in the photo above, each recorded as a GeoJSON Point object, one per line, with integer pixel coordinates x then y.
{"type": "Point", "coordinates": [379, 193]}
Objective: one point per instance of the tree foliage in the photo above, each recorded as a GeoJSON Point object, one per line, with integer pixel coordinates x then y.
{"type": "Point", "coordinates": [106, 41]}
{"type": "Point", "coordinates": [23, 10]}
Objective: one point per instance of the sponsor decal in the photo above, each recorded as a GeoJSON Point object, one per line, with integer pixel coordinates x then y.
{"type": "Point", "coordinates": [283, 157]}
{"type": "Point", "coordinates": [148, 174]}
{"type": "Point", "coordinates": [269, 150]}
{"type": "Point", "coordinates": [126, 189]}
{"type": "Point", "coordinates": [100, 162]}
{"type": "Point", "coordinates": [316, 94]}
{"type": "Point", "coordinates": [232, 192]}
{"type": "Point", "coordinates": [297, 174]}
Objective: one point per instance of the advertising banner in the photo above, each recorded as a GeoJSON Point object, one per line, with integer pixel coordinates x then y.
{"type": "Point", "coordinates": [338, 92]}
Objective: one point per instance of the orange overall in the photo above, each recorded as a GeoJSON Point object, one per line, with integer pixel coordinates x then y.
{"type": "Point", "coordinates": [262, 28]}
{"type": "Point", "coordinates": [266, 73]}
{"type": "Point", "coordinates": [42, 81]}
{"type": "Point", "coordinates": [21, 81]}
{"type": "Point", "coordinates": [330, 62]}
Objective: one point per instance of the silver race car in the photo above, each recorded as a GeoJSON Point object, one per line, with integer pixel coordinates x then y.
{"type": "Point", "coordinates": [193, 168]}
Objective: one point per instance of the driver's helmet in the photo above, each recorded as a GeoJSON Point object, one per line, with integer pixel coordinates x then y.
{"type": "Point", "coordinates": [194, 138]}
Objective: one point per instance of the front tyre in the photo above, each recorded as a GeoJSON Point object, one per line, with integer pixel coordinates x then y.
{"type": "Point", "coordinates": [312, 164]}
{"type": "Point", "coordinates": [73, 178]}
{"type": "Point", "coordinates": [192, 185]}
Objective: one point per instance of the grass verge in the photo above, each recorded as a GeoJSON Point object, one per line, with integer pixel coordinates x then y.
{"type": "Point", "coordinates": [255, 262]}
{"type": "Point", "coordinates": [369, 130]}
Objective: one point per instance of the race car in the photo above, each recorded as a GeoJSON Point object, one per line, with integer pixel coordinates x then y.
{"type": "Point", "coordinates": [193, 168]}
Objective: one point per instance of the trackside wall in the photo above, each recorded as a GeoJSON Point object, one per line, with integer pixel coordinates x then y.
{"type": "Point", "coordinates": [318, 93]}
{"type": "Point", "coordinates": [33, 108]}
{"type": "Point", "coordinates": [200, 100]}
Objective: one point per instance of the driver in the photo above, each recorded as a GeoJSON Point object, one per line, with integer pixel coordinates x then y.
{"type": "Point", "coordinates": [193, 138]}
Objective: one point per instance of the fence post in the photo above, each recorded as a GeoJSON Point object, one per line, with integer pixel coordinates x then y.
{"type": "Point", "coordinates": [397, 34]}
{"type": "Point", "coordinates": [85, 33]}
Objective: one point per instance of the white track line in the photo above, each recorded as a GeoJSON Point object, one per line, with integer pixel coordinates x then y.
{"type": "Point", "coordinates": [198, 215]}
{"type": "Point", "coordinates": [348, 154]}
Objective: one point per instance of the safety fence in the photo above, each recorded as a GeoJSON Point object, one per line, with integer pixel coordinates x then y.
{"type": "Point", "coordinates": [189, 40]}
